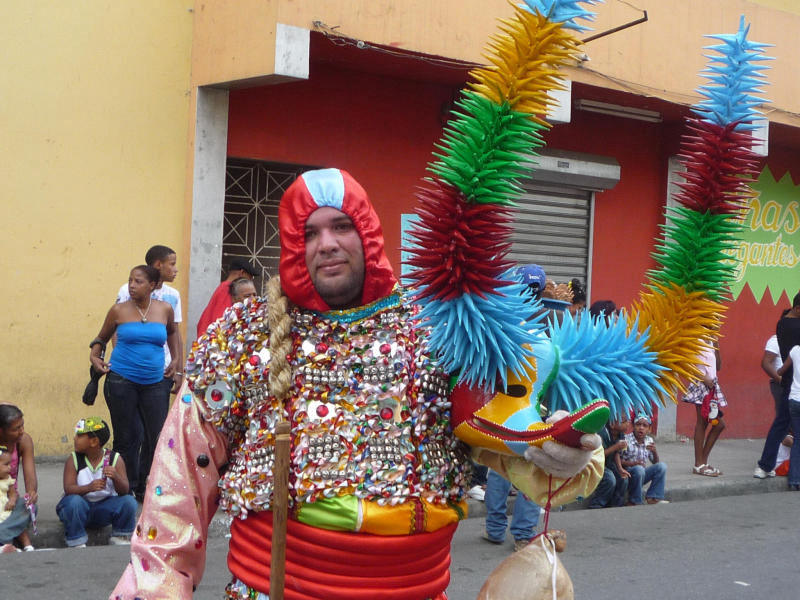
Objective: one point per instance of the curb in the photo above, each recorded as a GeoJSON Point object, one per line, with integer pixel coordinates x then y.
{"type": "Point", "coordinates": [678, 493]}
{"type": "Point", "coordinates": [51, 531]}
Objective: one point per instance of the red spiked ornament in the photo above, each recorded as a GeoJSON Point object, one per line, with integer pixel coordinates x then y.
{"type": "Point", "coordinates": [719, 165]}
{"type": "Point", "coordinates": [458, 246]}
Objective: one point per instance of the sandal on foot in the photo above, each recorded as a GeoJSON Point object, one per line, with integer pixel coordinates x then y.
{"type": "Point", "coordinates": [706, 470]}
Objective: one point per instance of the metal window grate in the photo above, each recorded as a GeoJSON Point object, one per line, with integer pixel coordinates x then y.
{"type": "Point", "coordinates": [253, 190]}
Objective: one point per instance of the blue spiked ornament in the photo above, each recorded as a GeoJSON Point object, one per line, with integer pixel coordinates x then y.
{"type": "Point", "coordinates": [562, 11]}
{"type": "Point", "coordinates": [482, 338]}
{"type": "Point", "coordinates": [599, 359]}
{"type": "Point", "coordinates": [734, 79]}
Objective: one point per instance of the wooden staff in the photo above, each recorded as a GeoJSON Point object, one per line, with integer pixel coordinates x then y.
{"type": "Point", "coordinates": [280, 510]}
{"type": "Point", "coordinates": [280, 381]}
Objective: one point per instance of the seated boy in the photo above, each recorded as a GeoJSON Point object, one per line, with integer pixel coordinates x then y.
{"type": "Point", "coordinates": [95, 488]}
{"type": "Point", "coordinates": [641, 448]}
{"type": "Point", "coordinates": [611, 489]}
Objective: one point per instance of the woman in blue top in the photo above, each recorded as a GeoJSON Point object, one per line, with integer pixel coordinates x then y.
{"type": "Point", "coordinates": [135, 371]}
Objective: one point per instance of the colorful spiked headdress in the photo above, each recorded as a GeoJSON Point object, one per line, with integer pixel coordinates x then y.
{"type": "Point", "coordinates": [464, 233]}
{"type": "Point", "coordinates": [695, 270]}
{"type": "Point", "coordinates": [465, 227]}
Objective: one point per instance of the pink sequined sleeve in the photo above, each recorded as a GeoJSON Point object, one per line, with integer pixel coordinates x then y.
{"type": "Point", "coordinates": [169, 546]}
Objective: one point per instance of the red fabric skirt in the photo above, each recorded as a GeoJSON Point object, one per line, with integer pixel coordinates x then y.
{"type": "Point", "coordinates": [338, 565]}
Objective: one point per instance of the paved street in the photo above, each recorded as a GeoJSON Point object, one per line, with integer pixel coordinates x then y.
{"type": "Point", "coordinates": [726, 548]}
{"type": "Point", "coordinates": [717, 549]}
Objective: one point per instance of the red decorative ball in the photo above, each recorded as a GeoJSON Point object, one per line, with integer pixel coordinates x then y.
{"type": "Point", "coordinates": [322, 410]}
{"type": "Point", "coordinates": [386, 413]}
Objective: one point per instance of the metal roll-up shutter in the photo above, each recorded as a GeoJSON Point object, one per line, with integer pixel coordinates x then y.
{"type": "Point", "coordinates": [552, 228]}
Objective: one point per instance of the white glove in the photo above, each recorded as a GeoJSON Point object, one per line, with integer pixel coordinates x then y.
{"type": "Point", "coordinates": [563, 461]}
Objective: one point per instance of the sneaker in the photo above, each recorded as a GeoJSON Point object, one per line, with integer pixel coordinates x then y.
{"type": "Point", "coordinates": [28, 548]}
{"type": "Point", "coordinates": [491, 540]}
{"type": "Point", "coordinates": [477, 493]}
{"type": "Point", "coordinates": [79, 546]}
{"type": "Point", "coordinates": [520, 544]}
{"type": "Point", "coordinates": [118, 540]}
{"type": "Point", "coordinates": [760, 473]}
{"type": "Point", "coordinates": [657, 501]}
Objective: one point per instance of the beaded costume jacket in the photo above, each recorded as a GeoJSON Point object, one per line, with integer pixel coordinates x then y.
{"type": "Point", "coordinates": [369, 411]}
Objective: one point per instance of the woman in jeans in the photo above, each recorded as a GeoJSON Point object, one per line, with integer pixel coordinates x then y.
{"type": "Point", "coordinates": [135, 371]}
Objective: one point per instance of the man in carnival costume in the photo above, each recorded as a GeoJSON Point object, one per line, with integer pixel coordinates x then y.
{"type": "Point", "coordinates": [379, 437]}
{"type": "Point", "coordinates": [377, 481]}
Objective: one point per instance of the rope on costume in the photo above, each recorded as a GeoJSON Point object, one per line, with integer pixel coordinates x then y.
{"type": "Point", "coordinates": [280, 343]}
{"type": "Point", "coordinates": [550, 495]}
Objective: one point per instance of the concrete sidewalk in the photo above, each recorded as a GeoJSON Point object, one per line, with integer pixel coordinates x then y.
{"type": "Point", "coordinates": [736, 459]}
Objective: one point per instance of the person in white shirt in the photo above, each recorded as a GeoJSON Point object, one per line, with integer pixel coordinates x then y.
{"type": "Point", "coordinates": [794, 413]}
{"type": "Point", "coordinates": [770, 363]}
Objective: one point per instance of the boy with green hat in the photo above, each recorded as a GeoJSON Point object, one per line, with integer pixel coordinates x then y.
{"type": "Point", "coordinates": [95, 488]}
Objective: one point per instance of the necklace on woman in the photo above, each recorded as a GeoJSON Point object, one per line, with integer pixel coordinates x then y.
{"type": "Point", "coordinates": [144, 314]}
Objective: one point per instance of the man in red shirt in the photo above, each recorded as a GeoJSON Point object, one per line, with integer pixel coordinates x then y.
{"type": "Point", "coordinates": [221, 298]}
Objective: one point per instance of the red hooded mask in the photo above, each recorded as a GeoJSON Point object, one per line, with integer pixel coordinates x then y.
{"type": "Point", "coordinates": [337, 189]}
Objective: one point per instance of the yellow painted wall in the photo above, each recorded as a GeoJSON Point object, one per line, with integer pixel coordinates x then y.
{"type": "Point", "coordinates": [94, 116]}
{"type": "Point", "coordinates": [661, 57]}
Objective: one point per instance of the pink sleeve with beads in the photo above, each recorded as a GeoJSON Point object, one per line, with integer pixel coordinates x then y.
{"type": "Point", "coordinates": [169, 546]}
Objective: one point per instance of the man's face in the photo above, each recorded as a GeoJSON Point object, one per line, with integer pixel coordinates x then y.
{"type": "Point", "coordinates": [168, 268]}
{"type": "Point", "coordinates": [334, 257]}
{"type": "Point", "coordinates": [640, 430]}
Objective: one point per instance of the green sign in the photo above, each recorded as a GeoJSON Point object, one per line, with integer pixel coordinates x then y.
{"type": "Point", "coordinates": [769, 254]}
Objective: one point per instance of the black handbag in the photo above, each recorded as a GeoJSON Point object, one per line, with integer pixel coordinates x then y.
{"type": "Point", "coordinates": [90, 392]}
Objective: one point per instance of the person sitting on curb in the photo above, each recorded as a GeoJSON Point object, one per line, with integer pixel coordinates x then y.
{"type": "Point", "coordinates": [95, 488]}
{"type": "Point", "coordinates": [641, 448]}
{"type": "Point", "coordinates": [611, 489]}
{"type": "Point", "coordinates": [14, 515]}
